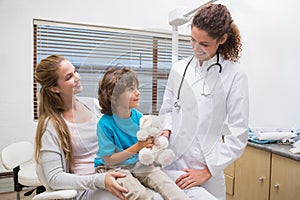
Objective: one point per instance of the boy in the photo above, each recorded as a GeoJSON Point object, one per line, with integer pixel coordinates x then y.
{"type": "Point", "coordinates": [118, 97]}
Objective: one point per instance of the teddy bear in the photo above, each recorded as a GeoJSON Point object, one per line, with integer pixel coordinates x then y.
{"type": "Point", "coordinates": [152, 125]}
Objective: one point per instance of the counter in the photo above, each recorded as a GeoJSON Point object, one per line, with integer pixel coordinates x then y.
{"type": "Point", "coordinates": [280, 149]}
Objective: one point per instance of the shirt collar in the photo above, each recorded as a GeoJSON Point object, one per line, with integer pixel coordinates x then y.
{"type": "Point", "coordinates": [202, 69]}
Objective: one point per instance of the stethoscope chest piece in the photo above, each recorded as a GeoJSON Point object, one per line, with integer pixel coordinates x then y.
{"type": "Point", "coordinates": [177, 105]}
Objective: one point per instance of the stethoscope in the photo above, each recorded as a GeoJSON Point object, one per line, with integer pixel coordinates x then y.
{"type": "Point", "coordinates": [177, 104]}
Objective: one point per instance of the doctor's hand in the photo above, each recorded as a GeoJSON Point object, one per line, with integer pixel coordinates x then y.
{"type": "Point", "coordinates": [193, 177]}
{"type": "Point", "coordinates": [113, 186]}
{"type": "Point", "coordinates": [166, 133]}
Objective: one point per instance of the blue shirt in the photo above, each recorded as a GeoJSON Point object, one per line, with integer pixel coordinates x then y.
{"type": "Point", "coordinates": [116, 134]}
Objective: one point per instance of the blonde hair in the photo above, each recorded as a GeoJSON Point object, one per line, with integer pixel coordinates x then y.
{"type": "Point", "coordinates": [51, 106]}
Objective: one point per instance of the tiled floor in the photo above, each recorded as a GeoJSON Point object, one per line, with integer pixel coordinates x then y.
{"type": "Point", "coordinates": [13, 196]}
{"type": "Point", "coordinates": [7, 193]}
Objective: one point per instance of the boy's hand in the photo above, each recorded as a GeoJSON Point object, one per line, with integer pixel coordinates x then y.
{"type": "Point", "coordinates": [148, 143]}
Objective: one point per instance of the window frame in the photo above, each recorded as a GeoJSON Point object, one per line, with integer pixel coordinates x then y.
{"type": "Point", "coordinates": [160, 53]}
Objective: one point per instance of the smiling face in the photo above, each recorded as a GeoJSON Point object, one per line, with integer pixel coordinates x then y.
{"type": "Point", "coordinates": [129, 98]}
{"type": "Point", "coordinates": [117, 91]}
{"type": "Point", "coordinates": [68, 82]}
{"type": "Point", "coordinates": [204, 46]}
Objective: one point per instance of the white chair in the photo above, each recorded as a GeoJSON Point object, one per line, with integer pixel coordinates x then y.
{"type": "Point", "coordinates": [55, 194]}
{"type": "Point", "coordinates": [19, 158]}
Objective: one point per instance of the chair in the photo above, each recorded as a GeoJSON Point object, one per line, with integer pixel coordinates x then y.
{"type": "Point", "coordinates": [19, 158]}
{"type": "Point", "coordinates": [55, 194]}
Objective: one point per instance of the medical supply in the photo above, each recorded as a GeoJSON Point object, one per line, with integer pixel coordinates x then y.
{"type": "Point", "coordinates": [296, 128]}
{"type": "Point", "coordinates": [271, 135]}
{"type": "Point", "coordinates": [275, 135]}
{"type": "Point", "coordinates": [252, 137]}
{"type": "Point", "coordinates": [295, 150]}
{"type": "Point", "coordinates": [286, 141]}
{"type": "Point", "coordinates": [296, 144]}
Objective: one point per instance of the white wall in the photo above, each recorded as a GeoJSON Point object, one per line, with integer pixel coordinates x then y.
{"type": "Point", "coordinates": [269, 31]}
{"type": "Point", "coordinates": [271, 37]}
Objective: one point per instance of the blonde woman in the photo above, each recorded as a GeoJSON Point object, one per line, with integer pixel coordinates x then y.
{"type": "Point", "coordinates": [66, 140]}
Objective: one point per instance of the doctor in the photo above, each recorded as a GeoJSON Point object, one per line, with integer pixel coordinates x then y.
{"type": "Point", "coordinates": [207, 95]}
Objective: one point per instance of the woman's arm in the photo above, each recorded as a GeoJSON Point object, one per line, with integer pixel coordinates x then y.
{"type": "Point", "coordinates": [53, 171]}
{"type": "Point", "coordinates": [224, 153]}
{"type": "Point", "coordinates": [57, 179]}
{"type": "Point", "coordinates": [56, 176]}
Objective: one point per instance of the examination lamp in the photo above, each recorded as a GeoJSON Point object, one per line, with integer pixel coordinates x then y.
{"type": "Point", "coordinates": [178, 17]}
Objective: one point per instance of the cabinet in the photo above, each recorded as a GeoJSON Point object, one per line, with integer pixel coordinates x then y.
{"type": "Point", "coordinates": [285, 178]}
{"type": "Point", "coordinates": [261, 175]}
{"type": "Point", "coordinates": [252, 175]}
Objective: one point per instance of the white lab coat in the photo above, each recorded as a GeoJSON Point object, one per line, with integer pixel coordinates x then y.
{"type": "Point", "coordinates": [197, 127]}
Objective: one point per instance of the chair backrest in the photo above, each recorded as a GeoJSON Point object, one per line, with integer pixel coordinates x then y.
{"type": "Point", "coordinates": [16, 154]}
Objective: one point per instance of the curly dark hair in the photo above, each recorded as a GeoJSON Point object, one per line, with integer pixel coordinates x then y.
{"type": "Point", "coordinates": [216, 20]}
{"type": "Point", "coordinates": [113, 83]}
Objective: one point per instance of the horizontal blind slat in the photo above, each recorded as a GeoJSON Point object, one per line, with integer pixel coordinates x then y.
{"type": "Point", "coordinates": [92, 49]}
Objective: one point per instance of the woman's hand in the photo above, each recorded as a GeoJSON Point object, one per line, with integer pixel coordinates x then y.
{"type": "Point", "coordinates": [193, 177]}
{"type": "Point", "coordinates": [113, 186]}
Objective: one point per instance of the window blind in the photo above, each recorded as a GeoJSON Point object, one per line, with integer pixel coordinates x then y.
{"type": "Point", "coordinates": [92, 49]}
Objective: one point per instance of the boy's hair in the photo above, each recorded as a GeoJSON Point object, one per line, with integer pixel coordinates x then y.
{"type": "Point", "coordinates": [112, 85]}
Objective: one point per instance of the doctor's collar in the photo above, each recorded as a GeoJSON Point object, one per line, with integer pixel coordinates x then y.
{"type": "Point", "coordinates": [207, 63]}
